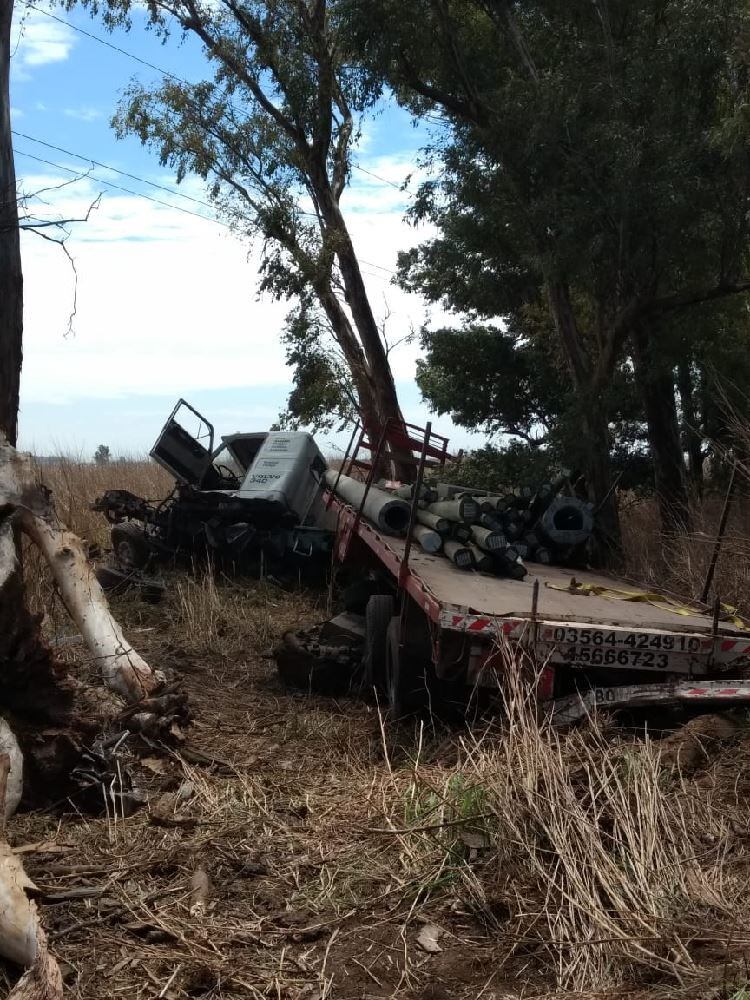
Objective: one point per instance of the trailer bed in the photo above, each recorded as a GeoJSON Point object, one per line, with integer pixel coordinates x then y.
{"type": "Point", "coordinates": [441, 588]}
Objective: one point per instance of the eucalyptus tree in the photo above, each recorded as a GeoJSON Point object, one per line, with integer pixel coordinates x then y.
{"type": "Point", "coordinates": [273, 132]}
{"type": "Point", "coordinates": [596, 150]}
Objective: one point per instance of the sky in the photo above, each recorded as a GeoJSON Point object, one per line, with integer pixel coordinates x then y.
{"type": "Point", "coordinates": [166, 297]}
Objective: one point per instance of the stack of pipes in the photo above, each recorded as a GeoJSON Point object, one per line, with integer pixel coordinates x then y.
{"type": "Point", "coordinates": [490, 532]}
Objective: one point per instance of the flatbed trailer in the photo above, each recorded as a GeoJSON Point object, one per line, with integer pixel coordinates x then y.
{"type": "Point", "coordinates": [590, 640]}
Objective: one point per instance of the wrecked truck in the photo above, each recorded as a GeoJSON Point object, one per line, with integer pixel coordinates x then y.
{"type": "Point", "coordinates": [422, 632]}
{"type": "Point", "coordinates": [251, 500]}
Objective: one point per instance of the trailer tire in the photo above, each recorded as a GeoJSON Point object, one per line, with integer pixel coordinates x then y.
{"type": "Point", "coordinates": [378, 615]}
{"type": "Point", "coordinates": [406, 683]}
{"type": "Point", "coordinates": [130, 546]}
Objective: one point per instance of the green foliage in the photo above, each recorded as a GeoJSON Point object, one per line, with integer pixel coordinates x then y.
{"type": "Point", "coordinates": [459, 810]}
{"type": "Point", "coordinates": [492, 378]}
{"type": "Point", "coordinates": [511, 386]}
{"type": "Point", "coordinates": [322, 397]}
{"type": "Point", "coordinates": [102, 455]}
{"type": "Point", "coordinates": [590, 158]}
{"type": "Point", "coordinates": [607, 145]}
{"type": "Point", "coordinates": [516, 464]}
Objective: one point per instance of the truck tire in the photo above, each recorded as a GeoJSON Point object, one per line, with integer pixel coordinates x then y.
{"type": "Point", "coordinates": [406, 682]}
{"type": "Point", "coordinates": [378, 615]}
{"type": "Point", "coordinates": [130, 545]}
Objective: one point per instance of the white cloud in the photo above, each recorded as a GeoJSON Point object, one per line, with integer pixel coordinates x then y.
{"type": "Point", "coordinates": [83, 114]}
{"type": "Point", "coordinates": [167, 303]}
{"type": "Point", "coordinates": [377, 183]}
{"type": "Point", "coordinates": [15, 113]}
{"type": "Point", "coordinates": [37, 40]}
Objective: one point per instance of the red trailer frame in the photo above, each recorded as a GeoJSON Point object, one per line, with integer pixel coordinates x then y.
{"type": "Point", "coordinates": [686, 649]}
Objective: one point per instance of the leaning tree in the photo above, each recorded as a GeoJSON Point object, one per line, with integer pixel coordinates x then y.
{"type": "Point", "coordinates": [273, 133]}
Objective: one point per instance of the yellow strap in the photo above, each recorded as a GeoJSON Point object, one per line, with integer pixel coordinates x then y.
{"type": "Point", "coordinates": [729, 614]}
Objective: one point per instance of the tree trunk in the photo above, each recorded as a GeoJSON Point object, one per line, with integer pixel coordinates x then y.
{"type": "Point", "coordinates": [11, 278]}
{"type": "Point", "coordinates": [369, 411]}
{"type": "Point", "coordinates": [595, 425]}
{"type": "Point", "coordinates": [691, 436]}
{"type": "Point", "coordinates": [380, 377]}
{"type": "Point", "coordinates": [599, 478]}
{"type": "Point", "coordinates": [25, 664]}
{"type": "Point", "coordinates": [24, 661]}
{"type": "Point", "coordinates": [655, 381]}
{"type": "Point", "coordinates": [357, 300]}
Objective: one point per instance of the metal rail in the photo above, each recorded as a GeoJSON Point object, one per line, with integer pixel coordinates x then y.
{"type": "Point", "coordinates": [343, 463]}
{"type": "Point", "coordinates": [719, 536]}
{"type": "Point", "coordinates": [416, 492]}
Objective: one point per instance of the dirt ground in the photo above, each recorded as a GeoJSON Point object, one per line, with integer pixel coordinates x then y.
{"type": "Point", "coordinates": [267, 860]}
{"type": "Point", "coordinates": [305, 899]}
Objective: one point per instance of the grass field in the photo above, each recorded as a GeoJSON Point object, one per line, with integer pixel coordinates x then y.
{"type": "Point", "coordinates": [352, 859]}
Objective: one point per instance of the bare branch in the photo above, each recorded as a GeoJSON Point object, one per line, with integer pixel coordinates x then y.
{"type": "Point", "coordinates": [25, 196]}
{"type": "Point", "coordinates": [61, 242]}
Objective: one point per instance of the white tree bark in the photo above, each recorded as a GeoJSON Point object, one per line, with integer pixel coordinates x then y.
{"type": "Point", "coordinates": [14, 782]}
{"type": "Point", "coordinates": [22, 937]}
{"type": "Point", "coordinates": [123, 670]}
{"type": "Point", "coordinates": [25, 504]}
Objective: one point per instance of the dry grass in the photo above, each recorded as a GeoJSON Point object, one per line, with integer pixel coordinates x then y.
{"type": "Point", "coordinates": [586, 853]}
{"type": "Point", "coordinates": [585, 864]}
{"type": "Point", "coordinates": [678, 564]}
{"type": "Point", "coordinates": [76, 484]}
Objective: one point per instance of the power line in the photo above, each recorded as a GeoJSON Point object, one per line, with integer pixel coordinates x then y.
{"type": "Point", "coordinates": [118, 187]}
{"type": "Point", "coordinates": [371, 173]}
{"type": "Point", "coordinates": [142, 180]}
{"type": "Point", "coordinates": [123, 173]}
{"type": "Point", "coordinates": [103, 41]}
{"type": "Point", "coordinates": [165, 72]}
{"type": "Point", "coordinates": [106, 166]}
{"type": "Point", "coordinates": [146, 197]}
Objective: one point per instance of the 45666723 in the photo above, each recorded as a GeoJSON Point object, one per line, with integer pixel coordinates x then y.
{"type": "Point", "coordinates": [608, 656]}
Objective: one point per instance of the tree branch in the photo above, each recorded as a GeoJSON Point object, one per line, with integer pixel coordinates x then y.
{"type": "Point", "coordinates": [190, 19]}
{"type": "Point", "coordinates": [682, 300]}
{"type": "Point", "coordinates": [450, 102]}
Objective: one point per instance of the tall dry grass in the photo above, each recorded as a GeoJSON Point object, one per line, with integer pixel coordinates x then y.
{"type": "Point", "coordinates": [590, 855]}
{"type": "Point", "coordinates": [678, 563]}
{"type": "Point", "coordinates": [213, 612]}
{"type": "Point", "coordinates": [585, 854]}
{"type": "Point", "coordinates": [75, 485]}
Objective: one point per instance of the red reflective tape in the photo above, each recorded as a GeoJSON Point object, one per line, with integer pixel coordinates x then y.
{"type": "Point", "coordinates": [545, 688]}
{"type": "Point", "coordinates": [728, 644]}
{"type": "Point", "coordinates": [479, 624]}
{"type": "Point", "coordinates": [729, 691]}
{"type": "Point", "coordinates": [697, 691]}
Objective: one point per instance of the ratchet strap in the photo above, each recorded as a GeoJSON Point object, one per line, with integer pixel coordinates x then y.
{"type": "Point", "coordinates": [728, 613]}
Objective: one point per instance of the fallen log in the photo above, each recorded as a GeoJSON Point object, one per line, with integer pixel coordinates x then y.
{"type": "Point", "coordinates": [27, 505]}
{"type": "Point", "coordinates": [22, 937]}
{"type": "Point", "coordinates": [123, 670]}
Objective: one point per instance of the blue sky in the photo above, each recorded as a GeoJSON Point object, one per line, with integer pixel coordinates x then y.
{"type": "Point", "coordinates": [167, 302]}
